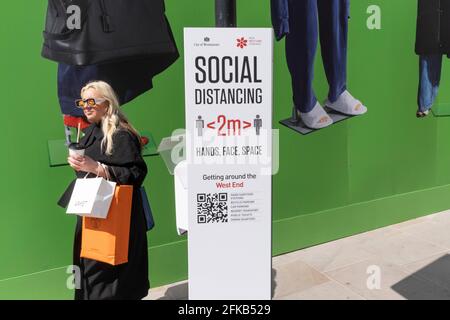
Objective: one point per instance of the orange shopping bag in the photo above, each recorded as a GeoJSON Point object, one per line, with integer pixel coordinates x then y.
{"type": "Point", "coordinates": [106, 240]}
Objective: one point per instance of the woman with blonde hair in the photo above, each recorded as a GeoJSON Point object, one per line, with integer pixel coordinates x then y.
{"type": "Point", "coordinates": [112, 150]}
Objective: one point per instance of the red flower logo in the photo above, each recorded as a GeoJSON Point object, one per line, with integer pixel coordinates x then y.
{"type": "Point", "coordinates": [242, 43]}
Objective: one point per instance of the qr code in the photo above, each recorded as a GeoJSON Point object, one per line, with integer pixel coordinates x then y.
{"type": "Point", "coordinates": [212, 207]}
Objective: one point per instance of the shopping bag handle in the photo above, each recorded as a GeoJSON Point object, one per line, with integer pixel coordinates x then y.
{"type": "Point", "coordinates": [87, 175]}
{"type": "Point", "coordinates": [108, 177]}
{"type": "Point", "coordinates": [105, 168]}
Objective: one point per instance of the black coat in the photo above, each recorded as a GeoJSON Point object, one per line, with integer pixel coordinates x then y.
{"type": "Point", "coordinates": [433, 27]}
{"type": "Point", "coordinates": [126, 166]}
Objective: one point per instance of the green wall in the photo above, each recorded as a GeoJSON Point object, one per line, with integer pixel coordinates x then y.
{"type": "Point", "coordinates": [358, 175]}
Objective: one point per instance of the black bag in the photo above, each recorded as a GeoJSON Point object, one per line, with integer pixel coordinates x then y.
{"type": "Point", "coordinates": [111, 31]}
{"type": "Point", "coordinates": [150, 221]}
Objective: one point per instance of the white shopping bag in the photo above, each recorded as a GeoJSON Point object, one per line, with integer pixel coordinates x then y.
{"type": "Point", "coordinates": [91, 198]}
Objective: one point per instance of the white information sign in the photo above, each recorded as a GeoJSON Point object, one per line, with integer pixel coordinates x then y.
{"type": "Point", "coordinates": [228, 83]}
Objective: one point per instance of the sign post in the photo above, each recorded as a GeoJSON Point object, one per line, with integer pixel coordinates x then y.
{"type": "Point", "coordinates": [228, 87]}
{"type": "Point", "coordinates": [225, 13]}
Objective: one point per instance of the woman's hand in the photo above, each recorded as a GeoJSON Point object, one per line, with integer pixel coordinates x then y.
{"type": "Point", "coordinates": [83, 163]}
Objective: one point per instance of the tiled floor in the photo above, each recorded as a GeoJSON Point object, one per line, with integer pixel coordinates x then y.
{"type": "Point", "coordinates": [410, 260]}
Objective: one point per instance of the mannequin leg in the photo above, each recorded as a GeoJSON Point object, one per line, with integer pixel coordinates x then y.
{"type": "Point", "coordinates": [333, 21]}
{"type": "Point", "coordinates": [301, 47]}
{"type": "Point", "coordinates": [429, 78]}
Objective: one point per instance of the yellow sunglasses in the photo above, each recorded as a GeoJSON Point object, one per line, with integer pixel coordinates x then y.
{"type": "Point", "coordinates": [88, 103]}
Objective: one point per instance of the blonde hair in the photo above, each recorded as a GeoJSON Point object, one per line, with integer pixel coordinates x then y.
{"type": "Point", "coordinates": [114, 118]}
